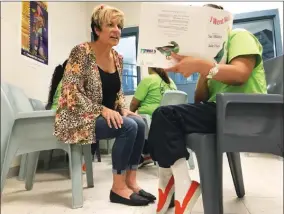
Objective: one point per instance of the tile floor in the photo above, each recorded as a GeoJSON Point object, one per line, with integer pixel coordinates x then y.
{"type": "Point", "coordinates": [263, 177]}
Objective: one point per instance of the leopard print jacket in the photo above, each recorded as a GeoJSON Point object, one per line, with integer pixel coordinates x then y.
{"type": "Point", "coordinates": [80, 101]}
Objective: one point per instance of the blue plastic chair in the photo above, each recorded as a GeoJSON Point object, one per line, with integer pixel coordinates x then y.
{"type": "Point", "coordinates": [29, 132]}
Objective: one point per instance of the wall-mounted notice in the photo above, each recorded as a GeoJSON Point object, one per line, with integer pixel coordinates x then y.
{"type": "Point", "coordinates": [35, 30]}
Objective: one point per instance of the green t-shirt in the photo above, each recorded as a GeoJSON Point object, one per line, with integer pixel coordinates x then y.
{"type": "Point", "coordinates": [150, 93]}
{"type": "Point", "coordinates": [56, 96]}
{"type": "Point", "coordinates": [242, 42]}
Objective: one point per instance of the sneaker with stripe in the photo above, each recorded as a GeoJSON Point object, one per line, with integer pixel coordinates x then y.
{"type": "Point", "coordinates": [166, 191]}
{"type": "Point", "coordinates": [189, 200]}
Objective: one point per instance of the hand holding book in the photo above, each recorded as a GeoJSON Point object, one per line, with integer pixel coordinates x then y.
{"type": "Point", "coordinates": [187, 65]}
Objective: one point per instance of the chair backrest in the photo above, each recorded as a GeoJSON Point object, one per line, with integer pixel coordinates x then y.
{"type": "Point", "coordinates": [174, 97]}
{"type": "Point", "coordinates": [274, 75]}
{"type": "Point", "coordinates": [7, 91]}
{"type": "Point", "coordinates": [17, 98]}
{"type": "Point", "coordinates": [7, 121]}
{"type": "Point", "coordinates": [37, 104]}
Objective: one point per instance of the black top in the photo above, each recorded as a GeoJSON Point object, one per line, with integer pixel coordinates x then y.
{"type": "Point", "coordinates": [110, 87]}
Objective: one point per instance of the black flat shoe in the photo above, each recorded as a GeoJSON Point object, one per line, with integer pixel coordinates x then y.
{"type": "Point", "coordinates": [134, 199]}
{"type": "Point", "coordinates": [172, 204]}
{"type": "Point", "coordinates": [147, 195]}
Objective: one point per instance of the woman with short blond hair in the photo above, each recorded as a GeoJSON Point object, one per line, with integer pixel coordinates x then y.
{"type": "Point", "coordinates": [91, 105]}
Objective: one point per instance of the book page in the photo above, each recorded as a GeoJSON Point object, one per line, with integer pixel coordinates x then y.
{"type": "Point", "coordinates": [218, 27]}
{"type": "Point", "coordinates": [186, 30]}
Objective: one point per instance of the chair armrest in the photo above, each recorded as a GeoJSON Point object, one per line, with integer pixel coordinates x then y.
{"type": "Point", "coordinates": [223, 99]}
{"type": "Point", "coordinates": [36, 114]}
{"type": "Point", "coordinates": [243, 117]}
{"type": "Point", "coordinates": [34, 125]}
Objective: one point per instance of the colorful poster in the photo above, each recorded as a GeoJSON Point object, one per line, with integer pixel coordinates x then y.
{"type": "Point", "coordinates": [35, 31]}
{"type": "Point", "coordinates": [187, 30]}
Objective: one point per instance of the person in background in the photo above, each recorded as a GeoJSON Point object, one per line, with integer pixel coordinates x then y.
{"type": "Point", "coordinates": [147, 99]}
{"type": "Point", "coordinates": [242, 73]}
{"type": "Point", "coordinates": [55, 86]}
{"type": "Point", "coordinates": [91, 105]}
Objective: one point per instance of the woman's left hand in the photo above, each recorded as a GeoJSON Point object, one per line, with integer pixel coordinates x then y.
{"type": "Point", "coordinates": [187, 65]}
{"type": "Point", "coordinates": [126, 112]}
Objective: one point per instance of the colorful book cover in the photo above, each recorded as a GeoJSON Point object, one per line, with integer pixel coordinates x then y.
{"type": "Point", "coordinates": [35, 30]}
{"type": "Point", "coordinates": [183, 29]}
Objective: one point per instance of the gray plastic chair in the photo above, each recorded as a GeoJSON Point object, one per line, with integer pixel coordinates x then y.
{"type": "Point", "coordinates": [31, 132]}
{"type": "Point", "coordinates": [259, 119]}
{"type": "Point", "coordinates": [18, 105]}
{"type": "Point", "coordinates": [170, 97]}
{"type": "Point", "coordinates": [37, 106]}
{"type": "Point", "coordinates": [246, 123]}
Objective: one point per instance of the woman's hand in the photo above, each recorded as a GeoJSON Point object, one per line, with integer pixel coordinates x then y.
{"type": "Point", "coordinates": [112, 117]}
{"type": "Point", "coordinates": [188, 65]}
{"type": "Point", "coordinates": [126, 112]}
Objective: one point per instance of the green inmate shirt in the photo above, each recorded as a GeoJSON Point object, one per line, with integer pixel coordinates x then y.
{"type": "Point", "coordinates": [56, 96]}
{"type": "Point", "coordinates": [242, 42]}
{"type": "Point", "coordinates": [150, 93]}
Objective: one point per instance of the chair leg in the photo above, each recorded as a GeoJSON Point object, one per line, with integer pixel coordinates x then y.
{"type": "Point", "coordinates": [89, 165]}
{"type": "Point", "coordinates": [108, 146]}
{"type": "Point", "coordinates": [210, 181]}
{"type": "Point", "coordinates": [234, 159]}
{"type": "Point", "coordinates": [9, 156]}
{"type": "Point", "coordinates": [50, 159]}
{"type": "Point", "coordinates": [98, 151]}
{"type": "Point", "coordinates": [46, 159]}
{"type": "Point", "coordinates": [23, 167]}
{"type": "Point", "coordinates": [75, 163]}
{"type": "Point", "coordinates": [32, 162]}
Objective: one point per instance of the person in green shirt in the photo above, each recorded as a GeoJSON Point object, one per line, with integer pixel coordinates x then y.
{"type": "Point", "coordinates": [147, 99]}
{"type": "Point", "coordinates": [150, 91]}
{"type": "Point", "coordinates": [55, 87]}
{"type": "Point", "coordinates": [241, 72]}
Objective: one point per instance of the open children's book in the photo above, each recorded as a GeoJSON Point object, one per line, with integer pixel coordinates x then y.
{"type": "Point", "coordinates": [183, 29]}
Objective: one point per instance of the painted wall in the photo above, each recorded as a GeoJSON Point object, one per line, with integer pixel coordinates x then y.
{"type": "Point", "coordinates": [65, 31]}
